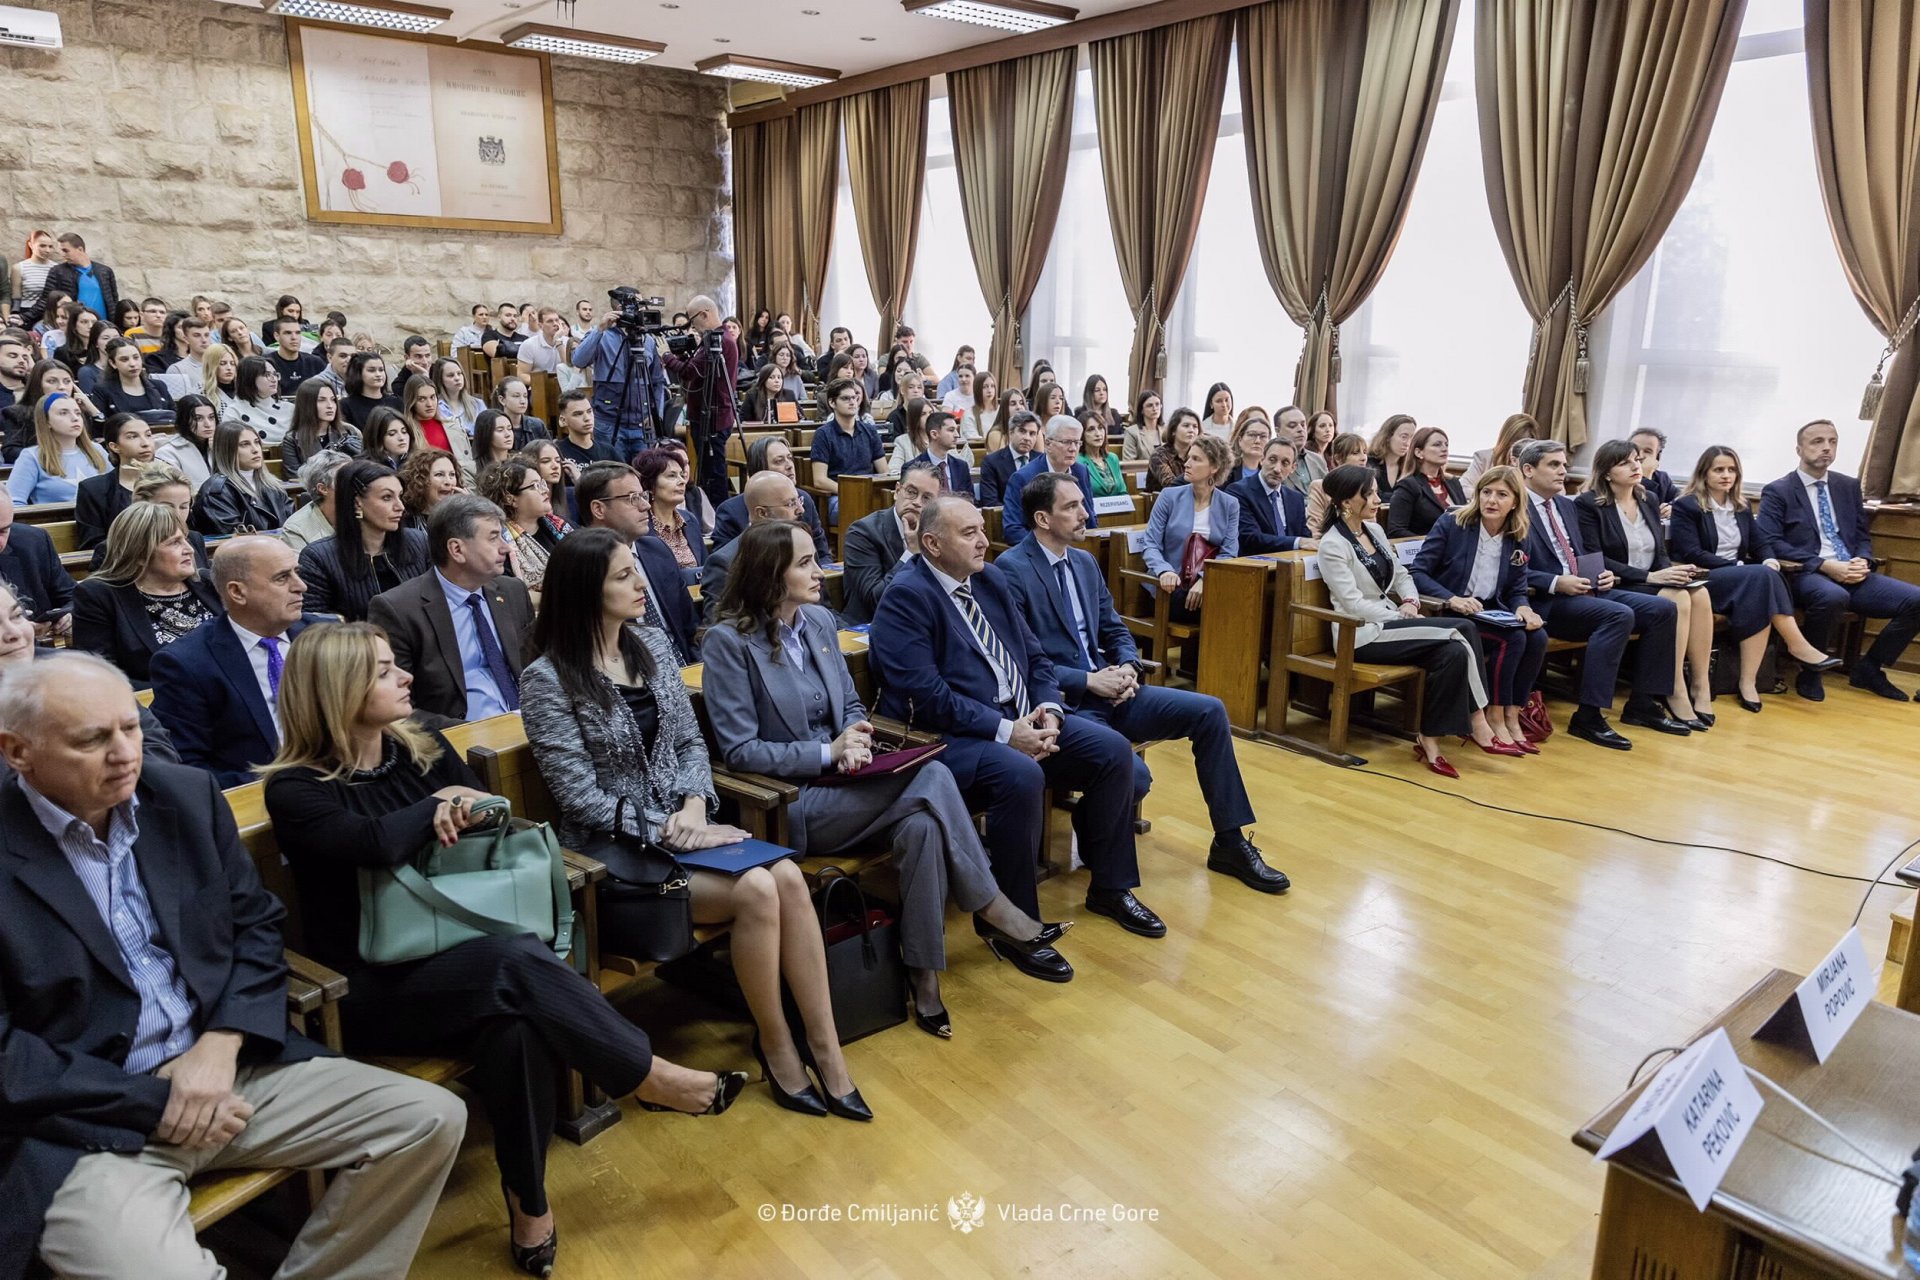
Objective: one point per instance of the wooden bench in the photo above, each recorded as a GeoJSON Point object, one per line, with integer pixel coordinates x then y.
{"type": "Point", "coordinates": [1134, 588]}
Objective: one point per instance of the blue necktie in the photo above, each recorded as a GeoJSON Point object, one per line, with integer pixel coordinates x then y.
{"type": "Point", "coordinates": [1066, 598]}
{"type": "Point", "coordinates": [503, 679]}
{"type": "Point", "coordinates": [1828, 525]}
{"type": "Point", "coordinates": [274, 664]}
{"type": "Point", "coordinates": [996, 652]}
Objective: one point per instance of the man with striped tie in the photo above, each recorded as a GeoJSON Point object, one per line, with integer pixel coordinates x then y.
{"type": "Point", "coordinates": [955, 657]}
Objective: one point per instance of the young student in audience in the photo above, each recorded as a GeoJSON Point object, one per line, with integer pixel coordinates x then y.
{"type": "Point", "coordinates": [63, 455]}
{"type": "Point", "coordinates": [77, 276]}
{"type": "Point", "coordinates": [1094, 398]}
{"type": "Point", "coordinates": [27, 278]}
{"type": "Point", "coordinates": [120, 1100]}
{"type": "Point", "coordinates": [126, 315]}
{"type": "Point", "coordinates": [1052, 403]}
{"type": "Point", "coordinates": [285, 307]}
{"type": "Point", "coordinates": [910, 441]}
{"type": "Point", "coordinates": [549, 349]}
{"type": "Point", "coordinates": [1475, 560]}
{"type": "Point", "coordinates": [579, 447]}
{"type": "Point", "coordinates": [1039, 375]}
{"type": "Point", "coordinates": [428, 477]}
{"type": "Point", "coordinates": [294, 363]}
{"type": "Point", "coordinates": [493, 438]}
{"type": "Point", "coordinates": [848, 445]}
{"type": "Point", "coordinates": [219, 376]}
{"type": "Point", "coordinates": [1514, 432]}
{"type": "Point", "coordinates": [190, 448]}
{"type": "Point", "coordinates": [960, 400]}
{"type": "Point", "coordinates": [663, 478]}
{"type": "Point", "coordinates": [1321, 430]}
{"type": "Point", "coordinates": [1014, 402]}
{"type": "Point", "coordinates": [234, 334]}
{"type": "Point", "coordinates": [964, 358]}
{"type": "Point", "coordinates": [416, 358]}
{"type": "Point", "coordinates": [242, 495]}
{"type": "Point", "coordinates": [147, 593]}
{"type": "Point", "coordinates": [1168, 463]}
{"type": "Point", "coordinates": [100, 498]}
{"type": "Point", "coordinates": [471, 334]}
{"type": "Point", "coordinates": [759, 337]}
{"type": "Point", "coordinates": [366, 389]}
{"type": "Point", "coordinates": [1249, 444]}
{"type": "Point", "coordinates": [502, 341]}
{"type": "Point", "coordinates": [907, 388]}
{"type": "Point", "coordinates": [458, 410]}
{"type": "Point", "coordinates": [1219, 420]}
{"type": "Point", "coordinates": [618, 744]}
{"type": "Point", "coordinates": [609, 496]}
{"type": "Point", "coordinates": [44, 378]}
{"type": "Point", "coordinates": [171, 348]}
{"type": "Point", "coordinates": [770, 453]}
{"type": "Point", "coordinates": [863, 372]}
{"type": "Point", "coordinates": [1347, 449]}
{"type": "Point", "coordinates": [532, 530]}
{"type": "Point", "coordinates": [333, 330]}
{"type": "Point", "coordinates": [126, 388]}
{"type": "Point", "coordinates": [316, 425]}
{"type": "Point", "coordinates": [371, 550]}
{"type": "Point", "coordinates": [80, 343]}
{"type": "Point", "coordinates": [314, 520]}
{"type": "Point", "coordinates": [784, 326]}
{"type": "Point", "coordinates": [428, 431]}
{"type": "Point", "coordinates": [544, 456]}
{"type": "Point", "coordinates": [763, 399]}
{"type": "Point", "coordinates": [339, 354]}
{"type": "Point", "coordinates": [259, 403]}
{"type": "Point", "coordinates": [152, 326]}
{"type": "Point", "coordinates": [1366, 580]}
{"type": "Point", "coordinates": [51, 330]}
{"type": "Point", "coordinates": [16, 357]}
{"type": "Point", "coordinates": [1201, 509]}
{"type": "Point", "coordinates": [1427, 492]}
{"type": "Point", "coordinates": [1713, 528]}
{"type": "Point", "coordinates": [1102, 464]}
{"type": "Point", "coordinates": [1144, 429]}
{"type": "Point", "coordinates": [358, 784]}
{"type": "Point", "coordinates": [512, 396]}
{"type": "Point", "coordinates": [839, 340]}
{"type": "Point", "coordinates": [1616, 520]}
{"type": "Point", "coordinates": [945, 451]}
{"type": "Point", "coordinates": [998, 467]}
{"type": "Point", "coordinates": [1273, 514]}
{"type": "Point", "coordinates": [1390, 451]}
{"type": "Point", "coordinates": [1652, 442]}
{"type": "Point", "coordinates": [987, 406]}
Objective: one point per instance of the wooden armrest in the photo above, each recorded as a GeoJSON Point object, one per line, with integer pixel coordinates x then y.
{"type": "Point", "coordinates": [1792, 566]}
{"type": "Point", "coordinates": [1326, 615]}
{"type": "Point", "coordinates": [302, 996]}
{"type": "Point", "coordinates": [332, 986]}
{"type": "Point", "coordinates": [1432, 605]}
{"type": "Point", "coordinates": [1148, 665]}
{"type": "Point", "coordinates": [894, 729]}
{"type": "Point", "coordinates": [755, 790]}
{"type": "Point", "coordinates": [591, 870]}
{"type": "Point", "coordinates": [1140, 576]}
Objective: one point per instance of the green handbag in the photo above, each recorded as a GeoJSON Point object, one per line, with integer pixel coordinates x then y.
{"type": "Point", "coordinates": [496, 880]}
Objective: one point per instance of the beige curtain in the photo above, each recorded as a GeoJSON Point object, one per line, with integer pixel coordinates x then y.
{"type": "Point", "coordinates": [1863, 76]}
{"type": "Point", "coordinates": [817, 192]}
{"type": "Point", "coordinates": [886, 169]}
{"type": "Point", "coordinates": [1338, 98]}
{"type": "Point", "coordinates": [766, 271]}
{"type": "Point", "coordinates": [1593, 115]}
{"type": "Point", "coordinates": [1157, 95]}
{"type": "Point", "coordinates": [1012, 130]}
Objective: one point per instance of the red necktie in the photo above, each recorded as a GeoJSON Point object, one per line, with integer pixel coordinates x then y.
{"type": "Point", "coordinates": [1560, 536]}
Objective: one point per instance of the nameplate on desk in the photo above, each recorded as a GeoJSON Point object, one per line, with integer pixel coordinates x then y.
{"type": "Point", "coordinates": [1827, 1003]}
{"type": "Point", "coordinates": [1700, 1108]}
{"type": "Point", "coordinates": [1113, 505]}
{"type": "Point", "coordinates": [1136, 540]}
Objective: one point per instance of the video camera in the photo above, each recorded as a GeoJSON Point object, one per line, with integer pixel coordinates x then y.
{"type": "Point", "coordinates": [637, 316]}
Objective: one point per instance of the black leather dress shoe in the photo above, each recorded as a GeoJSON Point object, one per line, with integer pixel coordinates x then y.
{"type": "Point", "coordinates": [1809, 686]}
{"type": "Point", "coordinates": [1039, 962]}
{"type": "Point", "coordinates": [1874, 680]}
{"type": "Point", "coordinates": [1654, 718]}
{"type": "Point", "coordinates": [1236, 856]}
{"type": "Point", "coordinates": [1593, 727]}
{"type": "Point", "coordinates": [1127, 911]}
{"type": "Point", "coordinates": [1823, 666]}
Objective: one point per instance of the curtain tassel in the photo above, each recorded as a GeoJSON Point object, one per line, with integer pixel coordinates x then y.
{"type": "Point", "coordinates": [1582, 366]}
{"type": "Point", "coordinates": [1333, 359]}
{"type": "Point", "coordinates": [1870, 399]}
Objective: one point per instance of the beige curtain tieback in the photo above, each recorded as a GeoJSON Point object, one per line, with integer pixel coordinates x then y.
{"type": "Point", "coordinates": [1870, 400]}
{"type": "Point", "coordinates": [1539, 326]}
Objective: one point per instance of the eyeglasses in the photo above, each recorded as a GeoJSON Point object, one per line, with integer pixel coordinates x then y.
{"type": "Point", "coordinates": [636, 498]}
{"type": "Point", "coordinates": [538, 486]}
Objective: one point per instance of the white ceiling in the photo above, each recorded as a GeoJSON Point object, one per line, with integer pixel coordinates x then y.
{"type": "Point", "coordinates": [850, 36]}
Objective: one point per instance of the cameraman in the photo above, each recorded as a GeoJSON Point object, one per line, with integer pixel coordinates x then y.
{"type": "Point", "coordinates": [628, 405]}
{"type": "Point", "coordinates": [710, 411]}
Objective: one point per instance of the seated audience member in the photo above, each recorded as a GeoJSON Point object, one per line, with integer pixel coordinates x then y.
{"type": "Point", "coordinates": [316, 425]}
{"type": "Point", "coordinates": [152, 323]}
{"type": "Point", "coordinates": [1199, 509]}
{"type": "Point", "coordinates": [314, 520]}
{"type": "Point", "coordinates": [957, 398]}
{"type": "Point", "coordinates": [1814, 516]}
{"type": "Point", "coordinates": [219, 379]}
{"type": "Point", "coordinates": [502, 341]}
{"type": "Point", "coordinates": [31, 567]}
{"type": "Point", "coordinates": [416, 358]}
{"type": "Point", "coordinates": [1167, 466]}
{"type": "Point", "coordinates": [172, 349]}
{"type": "Point", "coordinates": [880, 543]}
{"type": "Point", "coordinates": [910, 439]}
{"type": "Point", "coordinates": [1220, 417]}
{"type": "Point", "coordinates": [945, 451]}
{"type": "Point", "coordinates": [242, 495]}
{"type": "Point", "coordinates": [16, 357]}
{"type": "Point", "coordinates": [988, 407]}
{"type": "Point", "coordinates": [1096, 399]}
{"type": "Point", "coordinates": [232, 333]}
{"type": "Point", "coordinates": [1143, 431]}
{"type": "Point", "coordinates": [512, 396]}
{"type": "Point", "coordinates": [161, 483]}
{"type": "Point", "coordinates": [1713, 528]}
{"type": "Point", "coordinates": [1652, 442]}
{"type": "Point", "coordinates": [471, 334]}
{"type": "Point", "coordinates": [214, 688]}
{"type": "Point", "coordinates": [1101, 463]}
{"type": "Point", "coordinates": [1053, 403]}
{"type": "Point", "coordinates": [997, 468]}
{"type": "Point", "coordinates": [1390, 452]}
{"type": "Point", "coordinates": [768, 392]}
{"type": "Point", "coordinates": [1248, 445]}
{"type": "Point", "coordinates": [770, 496]}
{"type": "Point", "coordinates": [609, 496]}
{"type": "Point", "coordinates": [367, 389]}
{"type": "Point", "coordinates": [358, 785]}
{"type": "Point", "coordinates": [954, 656]}
{"type": "Point", "coordinates": [63, 456]}
{"type": "Point", "coordinates": [1366, 581]}
{"type": "Point", "coordinates": [127, 389]}
{"type": "Point", "coordinates": [147, 594]}
{"type": "Point", "coordinates": [285, 307]}
{"type": "Point", "coordinates": [371, 550]}
{"type": "Point", "coordinates": [1514, 432]}
{"type": "Point", "coordinates": [532, 529]}
{"type": "Point", "coordinates": [964, 358]}
{"type": "Point", "coordinates": [259, 403]}
{"type": "Point", "coordinates": [730, 517]}
{"type": "Point", "coordinates": [100, 498]}
{"type": "Point", "coordinates": [339, 354]}
{"type": "Point", "coordinates": [493, 438]}
{"type": "Point", "coordinates": [47, 378]}
{"type": "Point", "coordinates": [422, 409]}
{"type": "Point", "coordinates": [119, 1092]}
{"type": "Point", "coordinates": [549, 349]}
{"type": "Point", "coordinates": [51, 330]}
{"type": "Point", "coordinates": [428, 477]}
{"type": "Point", "coordinates": [1426, 493]}
{"type": "Point", "coordinates": [1475, 562]}
{"type": "Point", "coordinates": [782, 703]}
{"type": "Point", "coordinates": [1273, 514]}
{"type": "Point", "coordinates": [1059, 589]}
{"type": "Point", "coordinates": [466, 598]}
{"type": "Point", "coordinates": [1347, 450]}
{"type": "Point", "coordinates": [389, 439]}
{"type": "Point", "coordinates": [1616, 520]}
{"type": "Point", "coordinates": [1291, 424]}
{"type": "Point", "coordinates": [620, 748]}
{"type": "Point", "coordinates": [1320, 430]}
{"type": "Point", "coordinates": [663, 478]}
{"type": "Point", "coordinates": [544, 456]}
{"type": "Point", "coordinates": [290, 359]}
{"type": "Point", "coordinates": [579, 448]}
{"type": "Point", "coordinates": [1583, 608]}
{"type": "Point", "coordinates": [1060, 454]}
{"type": "Point", "coordinates": [459, 411]}
{"type": "Point", "coordinates": [848, 445]}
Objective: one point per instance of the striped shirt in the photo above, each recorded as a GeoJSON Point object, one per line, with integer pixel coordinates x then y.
{"type": "Point", "coordinates": [112, 880]}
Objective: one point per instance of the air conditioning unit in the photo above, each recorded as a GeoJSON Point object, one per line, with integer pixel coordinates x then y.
{"type": "Point", "coordinates": [29, 28]}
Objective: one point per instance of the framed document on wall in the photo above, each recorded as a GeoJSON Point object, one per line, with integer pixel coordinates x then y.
{"type": "Point", "coordinates": [418, 131]}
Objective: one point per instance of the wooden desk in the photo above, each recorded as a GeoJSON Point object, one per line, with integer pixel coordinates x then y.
{"type": "Point", "coordinates": [1909, 995]}
{"type": "Point", "coordinates": [1796, 1204]}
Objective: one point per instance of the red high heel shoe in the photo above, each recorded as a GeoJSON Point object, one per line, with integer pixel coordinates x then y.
{"type": "Point", "coordinates": [1496, 747]}
{"type": "Point", "coordinates": [1526, 745]}
{"type": "Point", "coordinates": [1436, 762]}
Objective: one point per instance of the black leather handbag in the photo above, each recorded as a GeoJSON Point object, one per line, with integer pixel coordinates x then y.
{"type": "Point", "coordinates": [646, 906]}
{"type": "Point", "coordinates": [864, 969]}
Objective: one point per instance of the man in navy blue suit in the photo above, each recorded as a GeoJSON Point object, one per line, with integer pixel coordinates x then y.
{"type": "Point", "coordinates": [1060, 454]}
{"type": "Point", "coordinates": [1273, 514]}
{"type": "Point", "coordinates": [1815, 515]}
{"type": "Point", "coordinates": [955, 656]}
{"type": "Point", "coordinates": [1063, 599]}
{"type": "Point", "coordinates": [1023, 437]}
{"type": "Point", "coordinates": [943, 436]}
{"type": "Point", "coordinates": [1579, 608]}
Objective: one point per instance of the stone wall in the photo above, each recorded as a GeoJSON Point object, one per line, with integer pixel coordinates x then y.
{"type": "Point", "coordinates": [164, 133]}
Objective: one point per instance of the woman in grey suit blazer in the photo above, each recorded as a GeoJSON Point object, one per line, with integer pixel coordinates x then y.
{"type": "Point", "coordinates": [782, 702]}
{"type": "Point", "coordinates": [610, 720]}
{"type": "Point", "coordinates": [1201, 505]}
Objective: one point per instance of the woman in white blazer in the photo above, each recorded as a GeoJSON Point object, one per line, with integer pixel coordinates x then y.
{"type": "Point", "coordinates": [1365, 580]}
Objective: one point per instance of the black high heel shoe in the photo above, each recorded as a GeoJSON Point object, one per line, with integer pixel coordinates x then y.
{"type": "Point", "coordinates": [849, 1105]}
{"type": "Point", "coordinates": [1753, 706]}
{"type": "Point", "coordinates": [726, 1087]}
{"type": "Point", "coordinates": [805, 1100]}
{"type": "Point", "coordinates": [537, 1259]}
{"type": "Point", "coordinates": [938, 1023]}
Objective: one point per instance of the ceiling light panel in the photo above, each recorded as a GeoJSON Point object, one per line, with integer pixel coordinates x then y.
{"type": "Point", "coordinates": [788, 75]}
{"type": "Point", "coordinates": [415, 18]}
{"type": "Point", "coordinates": [580, 44]}
{"type": "Point", "coordinates": [1005, 15]}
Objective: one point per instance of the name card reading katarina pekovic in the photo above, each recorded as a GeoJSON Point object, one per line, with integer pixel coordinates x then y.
{"type": "Point", "coordinates": [1700, 1107]}
{"type": "Point", "coordinates": [1827, 1002]}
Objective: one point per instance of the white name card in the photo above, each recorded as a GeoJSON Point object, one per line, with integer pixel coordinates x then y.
{"type": "Point", "coordinates": [1701, 1107]}
{"type": "Point", "coordinates": [1828, 1002]}
{"type": "Point", "coordinates": [1113, 505]}
{"type": "Point", "coordinates": [1136, 540]}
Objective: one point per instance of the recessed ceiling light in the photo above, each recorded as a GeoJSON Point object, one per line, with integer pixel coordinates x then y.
{"type": "Point", "coordinates": [722, 40]}
{"type": "Point", "coordinates": [810, 13]}
{"type": "Point", "coordinates": [580, 44]}
{"type": "Point", "coordinates": [791, 75]}
{"type": "Point", "coordinates": [390, 15]}
{"type": "Point", "coordinates": [869, 39]}
{"type": "Point", "coordinates": [669, 6]}
{"type": "Point", "coordinates": [1008, 15]}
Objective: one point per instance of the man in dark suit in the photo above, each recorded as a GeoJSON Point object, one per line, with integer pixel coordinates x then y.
{"type": "Point", "coordinates": [1060, 455]}
{"type": "Point", "coordinates": [146, 1041]}
{"type": "Point", "coordinates": [1579, 608]}
{"type": "Point", "coordinates": [1273, 514]}
{"type": "Point", "coordinates": [879, 543]}
{"type": "Point", "coordinates": [1815, 516]}
{"type": "Point", "coordinates": [1652, 442]}
{"type": "Point", "coordinates": [769, 496]}
{"type": "Point", "coordinates": [1065, 601]}
{"type": "Point", "coordinates": [460, 629]}
{"type": "Point", "coordinates": [955, 656]}
{"type": "Point", "coordinates": [90, 283]}
{"type": "Point", "coordinates": [943, 437]}
{"type": "Point", "coordinates": [214, 689]}
{"type": "Point", "coordinates": [1023, 438]}
{"type": "Point", "coordinates": [609, 494]}
{"type": "Point", "coordinates": [31, 566]}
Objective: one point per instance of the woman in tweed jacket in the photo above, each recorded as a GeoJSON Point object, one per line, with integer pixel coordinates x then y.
{"type": "Point", "coordinates": [609, 719]}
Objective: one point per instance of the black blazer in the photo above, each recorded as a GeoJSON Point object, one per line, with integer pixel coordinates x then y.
{"type": "Point", "coordinates": [995, 470]}
{"type": "Point", "coordinates": [31, 566]}
{"type": "Point", "coordinates": [730, 521]}
{"type": "Point", "coordinates": [1601, 530]}
{"type": "Point", "coordinates": [98, 501]}
{"type": "Point", "coordinates": [331, 590]}
{"type": "Point", "coordinates": [874, 547]}
{"type": "Point", "coordinates": [419, 625]}
{"type": "Point", "coordinates": [1412, 509]}
{"type": "Point", "coordinates": [1259, 532]}
{"type": "Point", "coordinates": [111, 620]}
{"type": "Point", "coordinates": [222, 507]}
{"type": "Point", "coordinates": [71, 1010]}
{"type": "Point", "coordinates": [1694, 531]}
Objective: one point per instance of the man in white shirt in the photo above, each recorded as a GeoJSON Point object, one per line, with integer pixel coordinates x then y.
{"type": "Point", "coordinates": [550, 350]}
